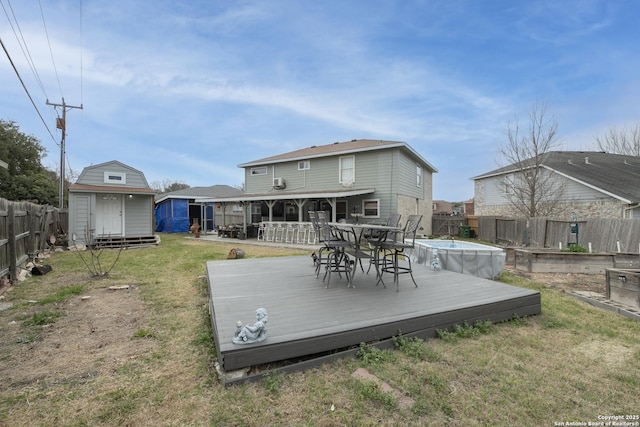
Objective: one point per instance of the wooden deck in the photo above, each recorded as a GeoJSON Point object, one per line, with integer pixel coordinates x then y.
{"type": "Point", "coordinates": [307, 321]}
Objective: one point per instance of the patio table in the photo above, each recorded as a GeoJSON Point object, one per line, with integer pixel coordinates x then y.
{"type": "Point", "coordinates": [357, 231]}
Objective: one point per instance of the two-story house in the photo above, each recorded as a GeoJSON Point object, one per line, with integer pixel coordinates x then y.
{"type": "Point", "coordinates": [593, 185]}
{"type": "Point", "coordinates": [365, 179]}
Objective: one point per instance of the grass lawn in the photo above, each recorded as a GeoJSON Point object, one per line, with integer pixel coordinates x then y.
{"type": "Point", "coordinates": [153, 361]}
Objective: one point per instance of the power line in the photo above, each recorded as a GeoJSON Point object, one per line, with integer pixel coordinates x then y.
{"type": "Point", "coordinates": [23, 45]}
{"type": "Point", "coordinates": [55, 69]}
{"type": "Point", "coordinates": [26, 90]}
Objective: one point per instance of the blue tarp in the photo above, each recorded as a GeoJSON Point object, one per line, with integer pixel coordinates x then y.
{"type": "Point", "coordinates": [172, 216]}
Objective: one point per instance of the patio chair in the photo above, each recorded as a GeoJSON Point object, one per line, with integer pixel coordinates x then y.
{"type": "Point", "coordinates": [375, 241]}
{"type": "Point", "coordinates": [395, 248]}
{"type": "Point", "coordinates": [331, 244]}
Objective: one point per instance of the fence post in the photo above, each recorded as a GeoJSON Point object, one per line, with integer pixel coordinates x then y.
{"type": "Point", "coordinates": [13, 256]}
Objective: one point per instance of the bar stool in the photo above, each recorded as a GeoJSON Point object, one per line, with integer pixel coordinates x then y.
{"type": "Point", "coordinates": [270, 232]}
{"type": "Point", "coordinates": [302, 233]}
{"type": "Point", "coordinates": [290, 232]}
{"type": "Point", "coordinates": [261, 230]}
{"type": "Point", "coordinates": [279, 232]}
{"type": "Point", "coordinates": [312, 237]}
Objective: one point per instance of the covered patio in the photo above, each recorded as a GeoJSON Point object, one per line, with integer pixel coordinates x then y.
{"type": "Point", "coordinates": [291, 206]}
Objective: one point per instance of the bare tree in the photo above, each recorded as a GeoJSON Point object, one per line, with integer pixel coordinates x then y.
{"type": "Point", "coordinates": [621, 141]}
{"type": "Point", "coordinates": [532, 189]}
{"type": "Point", "coordinates": [167, 186]}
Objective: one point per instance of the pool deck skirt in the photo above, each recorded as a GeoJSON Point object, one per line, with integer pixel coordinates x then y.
{"type": "Point", "coordinates": [309, 324]}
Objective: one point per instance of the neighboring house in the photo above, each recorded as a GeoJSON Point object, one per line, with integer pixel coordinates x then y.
{"type": "Point", "coordinates": [177, 210]}
{"type": "Point", "coordinates": [595, 185]}
{"type": "Point", "coordinates": [110, 200]}
{"type": "Point", "coordinates": [441, 207]}
{"type": "Point", "coordinates": [369, 178]}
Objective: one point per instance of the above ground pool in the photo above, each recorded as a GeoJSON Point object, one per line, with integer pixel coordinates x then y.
{"type": "Point", "coordinates": [460, 256]}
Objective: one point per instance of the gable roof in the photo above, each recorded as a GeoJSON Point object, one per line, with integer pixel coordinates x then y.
{"type": "Point", "coordinates": [338, 148]}
{"type": "Point", "coordinates": [614, 174]}
{"type": "Point", "coordinates": [109, 163]}
{"type": "Point", "coordinates": [200, 193]}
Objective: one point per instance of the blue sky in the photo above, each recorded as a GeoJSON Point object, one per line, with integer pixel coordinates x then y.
{"type": "Point", "coordinates": [186, 90]}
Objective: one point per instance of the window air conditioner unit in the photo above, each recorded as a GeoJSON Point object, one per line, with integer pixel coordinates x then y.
{"type": "Point", "coordinates": [278, 183]}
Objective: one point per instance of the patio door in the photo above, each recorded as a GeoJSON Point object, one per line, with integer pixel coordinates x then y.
{"type": "Point", "coordinates": [109, 215]}
{"type": "Point", "coordinates": [341, 210]}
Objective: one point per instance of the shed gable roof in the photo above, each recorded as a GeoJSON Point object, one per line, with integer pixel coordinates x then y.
{"type": "Point", "coordinates": [615, 174]}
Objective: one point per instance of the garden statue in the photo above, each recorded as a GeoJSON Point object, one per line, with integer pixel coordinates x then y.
{"type": "Point", "coordinates": [195, 228]}
{"type": "Point", "coordinates": [250, 334]}
{"type": "Point", "coordinates": [435, 260]}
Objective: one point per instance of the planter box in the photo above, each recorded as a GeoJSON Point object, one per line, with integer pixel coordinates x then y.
{"type": "Point", "coordinates": [546, 261]}
{"type": "Point", "coordinates": [623, 286]}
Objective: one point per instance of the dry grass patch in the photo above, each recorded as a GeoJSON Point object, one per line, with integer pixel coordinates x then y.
{"type": "Point", "coordinates": [144, 356]}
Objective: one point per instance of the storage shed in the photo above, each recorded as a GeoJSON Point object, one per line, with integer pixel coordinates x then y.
{"type": "Point", "coordinates": [112, 204]}
{"type": "Point", "coordinates": [177, 210]}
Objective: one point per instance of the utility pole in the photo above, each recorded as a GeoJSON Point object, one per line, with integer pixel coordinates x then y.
{"type": "Point", "coordinates": [61, 123]}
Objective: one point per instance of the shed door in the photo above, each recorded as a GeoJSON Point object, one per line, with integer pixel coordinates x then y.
{"type": "Point", "coordinates": [108, 214]}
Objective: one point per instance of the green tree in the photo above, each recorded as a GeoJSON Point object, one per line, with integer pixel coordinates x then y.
{"type": "Point", "coordinates": [25, 178]}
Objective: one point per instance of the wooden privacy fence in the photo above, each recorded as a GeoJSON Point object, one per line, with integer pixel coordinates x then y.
{"type": "Point", "coordinates": [601, 234]}
{"type": "Point", "coordinates": [24, 231]}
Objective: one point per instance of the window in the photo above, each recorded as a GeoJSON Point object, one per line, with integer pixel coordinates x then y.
{"type": "Point", "coordinates": [419, 176]}
{"type": "Point", "coordinates": [371, 208]}
{"type": "Point", "coordinates": [347, 170]}
{"type": "Point", "coordinates": [304, 165]}
{"type": "Point", "coordinates": [115, 178]}
{"type": "Point", "coordinates": [262, 170]}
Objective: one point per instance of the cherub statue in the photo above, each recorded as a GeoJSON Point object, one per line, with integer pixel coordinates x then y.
{"type": "Point", "coordinates": [435, 260]}
{"type": "Point", "coordinates": [250, 334]}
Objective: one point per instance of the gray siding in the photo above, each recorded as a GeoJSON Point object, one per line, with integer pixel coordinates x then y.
{"type": "Point", "coordinates": [79, 217]}
{"type": "Point", "coordinates": [138, 218]}
{"type": "Point", "coordinates": [391, 172]}
{"type": "Point", "coordinates": [407, 174]}
{"type": "Point", "coordinates": [95, 175]}
{"type": "Point", "coordinates": [574, 191]}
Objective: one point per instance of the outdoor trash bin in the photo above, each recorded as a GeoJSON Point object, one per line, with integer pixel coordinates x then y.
{"type": "Point", "coordinates": [465, 231]}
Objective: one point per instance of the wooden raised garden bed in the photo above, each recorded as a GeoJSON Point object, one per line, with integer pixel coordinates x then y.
{"type": "Point", "coordinates": [549, 261]}
{"type": "Point", "coordinates": [623, 286]}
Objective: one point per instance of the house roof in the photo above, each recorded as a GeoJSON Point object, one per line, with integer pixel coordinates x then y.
{"type": "Point", "coordinates": [200, 193]}
{"type": "Point", "coordinates": [338, 148]}
{"type": "Point", "coordinates": [616, 175]}
{"type": "Point", "coordinates": [290, 195]}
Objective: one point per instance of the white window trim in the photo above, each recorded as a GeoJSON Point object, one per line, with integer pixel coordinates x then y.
{"type": "Point", "coordinates": [260, 170]}
{"type": "Point", "coordinates": [115, 177]}
{"type": "Point", "coordinates": [377, 202]}
{"type": "Point", "coordinates": [340, 170]}
{"type": "Point", "coordinates": [304, 165]}
{"type": "Point", "coordinates": [419, 176]}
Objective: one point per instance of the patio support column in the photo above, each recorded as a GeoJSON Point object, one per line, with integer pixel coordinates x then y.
{"type": "Point", "coordinates": [332, 202]}
{"type": "Point", "coordinates": [224, 211]}
{"type": "Point", "coordinates": [300, 203]}
{"type": "Point", "coordinates": [270, 204]}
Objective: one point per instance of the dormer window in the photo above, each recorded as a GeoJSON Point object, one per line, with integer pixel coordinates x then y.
{"type": "Point", "coordinates": [115, 178]}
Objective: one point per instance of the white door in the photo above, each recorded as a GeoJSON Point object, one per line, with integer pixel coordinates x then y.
{"type": "Point", "coordinates": [108, 215]}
